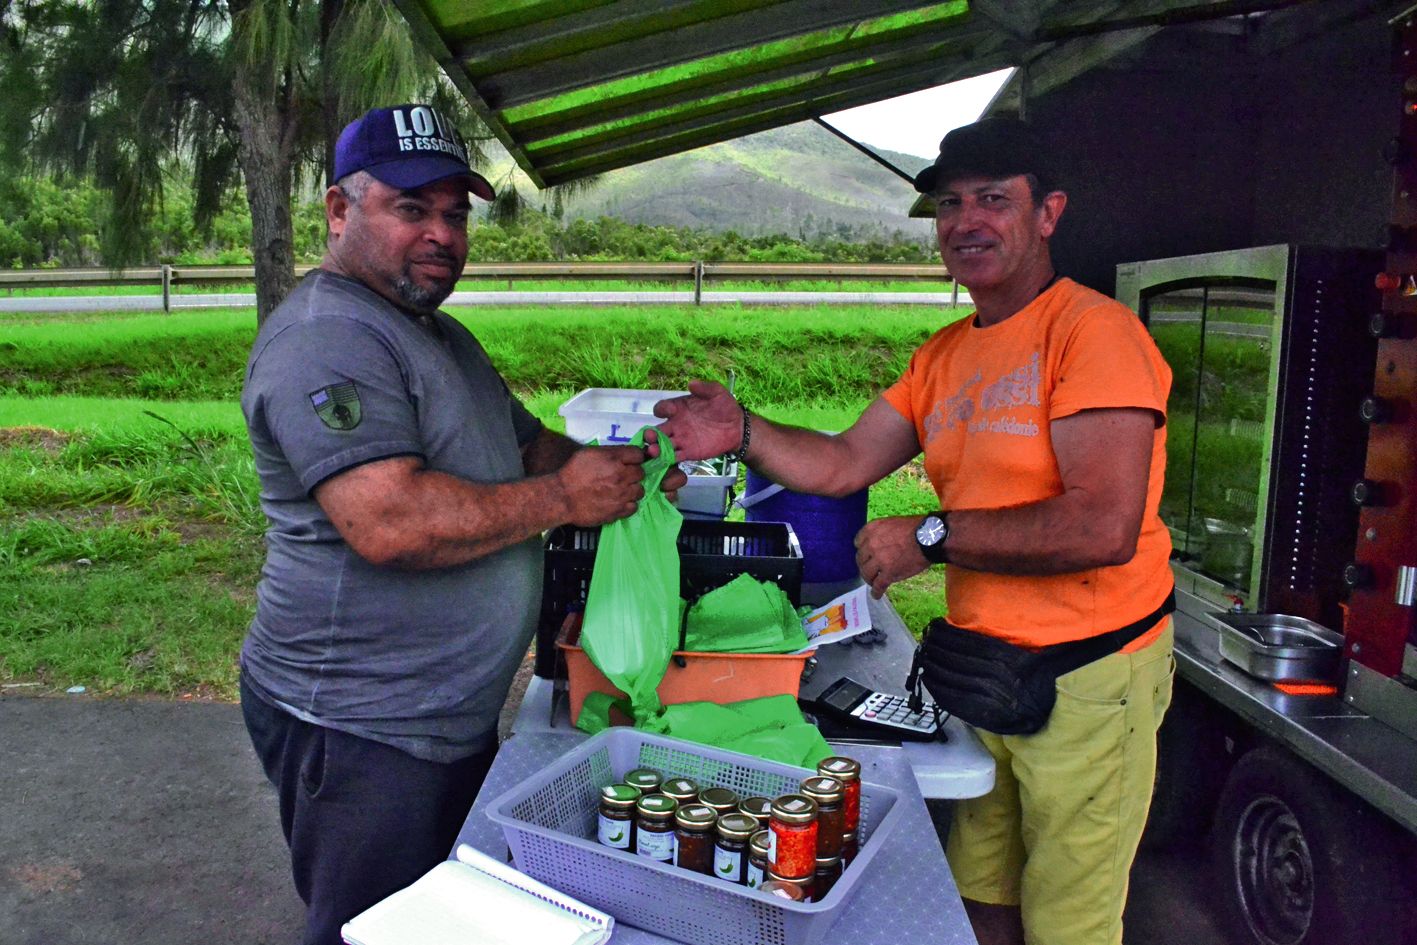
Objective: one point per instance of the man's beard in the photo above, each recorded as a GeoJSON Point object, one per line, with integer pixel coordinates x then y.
{"type": "Point", "coordinates": [416, 297]}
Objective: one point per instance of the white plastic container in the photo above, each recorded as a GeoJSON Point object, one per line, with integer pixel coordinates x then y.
{"type": "Point", "coordinates": [611, 414]}
{"type": "Point", "coordinates": [615, 414]}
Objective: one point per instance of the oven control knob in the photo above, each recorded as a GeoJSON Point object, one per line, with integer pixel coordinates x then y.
{"type": "Point", "coordinates": [1374, 410]}
{"type": "Point", "coordinates": [1357, 575]}
{"type": "Point", "coordinates": [1366, 492]}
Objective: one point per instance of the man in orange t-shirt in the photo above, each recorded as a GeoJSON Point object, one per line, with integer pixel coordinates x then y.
{"type": "Point", "coordinates": [1042, 423]}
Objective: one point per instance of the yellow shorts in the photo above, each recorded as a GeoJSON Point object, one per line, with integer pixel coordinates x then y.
{"type": "Point", "coordinates": [1058, 833]}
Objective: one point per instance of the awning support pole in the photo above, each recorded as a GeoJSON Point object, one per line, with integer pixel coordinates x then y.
{"type": "Point", "coordinates": [909, 178]}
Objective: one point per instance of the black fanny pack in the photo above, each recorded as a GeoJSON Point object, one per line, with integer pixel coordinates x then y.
{"type": "Point", "coordinates": [1000, 687]}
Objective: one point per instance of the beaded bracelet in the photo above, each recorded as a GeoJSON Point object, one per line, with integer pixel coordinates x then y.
{"type": "Point", "coordinates": [742, 451]}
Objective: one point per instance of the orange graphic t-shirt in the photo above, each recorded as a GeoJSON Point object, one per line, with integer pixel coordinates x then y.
{"type": "Point", "coordinates": [981, 400]}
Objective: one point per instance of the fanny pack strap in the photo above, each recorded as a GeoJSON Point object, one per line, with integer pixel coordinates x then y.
{"type": "Point", "coordinates": [1061, 658]}
{"type": "Point", "coordinates": [1075, 654]}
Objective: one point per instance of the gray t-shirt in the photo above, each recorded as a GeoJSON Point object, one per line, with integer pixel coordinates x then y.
{"type": "Point", "coordinates": [420, 660]}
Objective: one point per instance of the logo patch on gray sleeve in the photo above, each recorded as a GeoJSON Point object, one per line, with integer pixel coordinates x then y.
{"type": "Point", "coordinates": [337, 405]}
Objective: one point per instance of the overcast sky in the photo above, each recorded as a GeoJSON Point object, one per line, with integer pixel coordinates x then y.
{"type": "Point", "coordinates": [915, 123]}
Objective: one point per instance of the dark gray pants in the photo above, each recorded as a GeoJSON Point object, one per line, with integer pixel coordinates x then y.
{"type": "Point", "coordinates": [362, 819]}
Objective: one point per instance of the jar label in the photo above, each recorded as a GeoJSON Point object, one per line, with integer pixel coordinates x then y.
{"type": "Point", "coordinates": [755, 875]}
{"type": "Point", "coordinates": [614, 833]}
{"type": "Point", "coordinates": [727, 864]}
{"type": "Point", "coordinates": [656, 846]}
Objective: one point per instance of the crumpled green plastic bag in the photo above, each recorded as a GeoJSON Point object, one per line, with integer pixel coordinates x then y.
{"type": "Point", "coordinates": [744, 616]}
{"type": "Point", "coordinates": [632, 606]}
{"type": "Point", "coordinates": [771, 727]}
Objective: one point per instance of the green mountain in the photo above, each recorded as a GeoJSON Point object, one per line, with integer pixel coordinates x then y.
{"type": "Point", "coordinates": [799, 180]}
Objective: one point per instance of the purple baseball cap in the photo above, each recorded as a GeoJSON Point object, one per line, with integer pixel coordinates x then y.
{"type": "Point", "coordinates": [406, 147]}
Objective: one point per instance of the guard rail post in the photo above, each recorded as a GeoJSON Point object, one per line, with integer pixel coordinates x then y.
{"type": "Point", "coordinates": [698, 282]}
{"type": "Point", "coordinates": [954, 294]}
{"type": "Point", "coordinates": [167, 290]}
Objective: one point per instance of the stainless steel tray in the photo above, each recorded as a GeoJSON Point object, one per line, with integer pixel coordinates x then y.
{"type": "Point", "coordinates": [1280, 646]}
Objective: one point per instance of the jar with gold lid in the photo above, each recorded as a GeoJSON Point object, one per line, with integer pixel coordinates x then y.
{"type": "Point", "coordinates": [827, 873]}
{"type": "Point", "coordinates": [831, 815]}
{"type": "Point", "coordinates": [693, 838]}
{"type": "Point", "coordinates": [757, 871]}
{"type": "Point", "coordinates": [683, 790]}
{"type": "Point", "coordinates": [647, 780]}
{"type": "Point", "coordinates": [723, 800]}
{"type": "Point", "coordinates": [848, 772]}
{"type": "Point", "coordinates": [654, 827]}
{"type": "Point", "coordinates": [730, 852]}
{"type": "Point", "coordinates": [792, 848]}
{"type": "Point", "coordinates": [803, 886]}
{"type": "Point", "coordinates": [617, 816]}
{"type": "Point", "coordinates": [759, 808]}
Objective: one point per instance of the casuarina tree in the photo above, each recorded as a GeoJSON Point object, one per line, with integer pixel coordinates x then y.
{"type": "Point", "coordinates": [127, 91]}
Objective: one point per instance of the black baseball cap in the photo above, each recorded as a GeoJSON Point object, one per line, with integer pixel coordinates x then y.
{"type": "Point", "coordinates": [406, 146]}
{"type": "Point", "coordinates": [992, 147]}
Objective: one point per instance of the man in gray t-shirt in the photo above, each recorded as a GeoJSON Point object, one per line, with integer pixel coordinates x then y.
{"type": "Point", "coordinates": [406, 490]}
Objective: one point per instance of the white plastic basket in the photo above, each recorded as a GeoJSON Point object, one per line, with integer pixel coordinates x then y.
{"type": "Point", "coordinates": [549, 822]}
{"type": "Point", "coordinates": [612, 415]}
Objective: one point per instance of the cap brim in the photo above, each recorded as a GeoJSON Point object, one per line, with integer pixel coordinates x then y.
{"type": "Point", "coordinates": [412, 173]}
{"type": "Point", "coordinates": [925, 180]}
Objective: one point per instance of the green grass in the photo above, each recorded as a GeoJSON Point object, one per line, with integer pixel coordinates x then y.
{"type": "Point", "coordinates": [792, 355]}
{"type": "Point", "coordinates": [130, 543]}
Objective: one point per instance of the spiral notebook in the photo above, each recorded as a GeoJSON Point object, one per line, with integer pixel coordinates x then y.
{"type": "Point", "coordinates": [476, 899]}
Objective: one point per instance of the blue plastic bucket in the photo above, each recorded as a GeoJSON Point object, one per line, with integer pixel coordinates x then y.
{"type": "Point", "coordinates": [826, 528]}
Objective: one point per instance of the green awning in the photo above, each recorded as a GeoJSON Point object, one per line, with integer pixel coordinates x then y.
{"type": "Point", "coordinates": [578, 87]}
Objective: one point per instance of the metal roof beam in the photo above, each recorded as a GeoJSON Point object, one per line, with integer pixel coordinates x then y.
{"type": "Point", "coordinates": [1194, 13]}
{"type": "Point", "coordinates": [730, 108]}
{"type": "Point", "coordinates": [554, 38]}
{"type": "Point", "coordinates": [896, 46]}
{"type": "Point", "coordinates": [631, 57]}
{"type": "Point", "coordinates": [855, 94]}
{"type": "Point", "coordinates": [426, 34]}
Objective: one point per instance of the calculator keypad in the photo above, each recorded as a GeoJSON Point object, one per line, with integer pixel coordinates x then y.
{"type": "Point", "coordinates": [890, 710]}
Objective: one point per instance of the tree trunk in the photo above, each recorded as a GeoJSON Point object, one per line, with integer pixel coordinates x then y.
{"type": "Point", "coordinates": [266, 165]}
{"type": "Point", "coordinates": [330, 110]}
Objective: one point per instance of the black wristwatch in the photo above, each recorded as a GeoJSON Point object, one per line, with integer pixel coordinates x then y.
{"type": "Point", "coordinates": [931, 535]}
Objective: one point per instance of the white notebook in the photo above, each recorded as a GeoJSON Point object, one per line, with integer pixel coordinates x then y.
{"type": "Point", "coordinates": [477, 901]}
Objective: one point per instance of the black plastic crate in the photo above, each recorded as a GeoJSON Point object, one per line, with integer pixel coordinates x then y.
{"type": "Point", "coordinates": [710, 555]}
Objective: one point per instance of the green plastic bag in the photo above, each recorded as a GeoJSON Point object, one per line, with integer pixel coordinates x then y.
{"type": "Point", "coordinates": [771, 727]}
{"type": "Point", "coordinates": [744, 616]}
{"type": "Point", "coordinates": [632, 606]}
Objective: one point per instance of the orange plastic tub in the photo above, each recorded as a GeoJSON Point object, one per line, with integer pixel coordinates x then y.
{"type": "Point", "coordinates": [705, 677]}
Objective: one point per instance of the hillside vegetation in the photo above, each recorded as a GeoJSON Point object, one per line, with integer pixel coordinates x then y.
{"type": "Point", "coordinates": [130, 527]}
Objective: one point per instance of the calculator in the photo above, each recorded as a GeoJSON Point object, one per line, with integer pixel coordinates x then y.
{"type": "Point", "coordinates": [850, 701]}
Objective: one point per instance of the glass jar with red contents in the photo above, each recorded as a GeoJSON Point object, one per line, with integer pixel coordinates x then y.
{"type": "Point", "coordinates": [831, 815]}
{"type": "Point", "coordinates": [792, 850]}
{"type": "Point", "coordinates": [848, 772]}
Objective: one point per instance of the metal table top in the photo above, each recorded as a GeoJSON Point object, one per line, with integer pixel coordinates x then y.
{"type": "Point", "coordinates": [1371, 758]}
{"type": "Point", "coordinates": [908, 895]}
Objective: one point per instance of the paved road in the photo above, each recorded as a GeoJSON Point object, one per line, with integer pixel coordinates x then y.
{"type": "Point", "coordinates": [141, 821]}
{"type": "Point", "coordinates": [153, 303]}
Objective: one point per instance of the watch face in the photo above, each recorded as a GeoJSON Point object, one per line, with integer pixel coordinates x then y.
{"type": "Point", "coordinates": [930, 531]}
